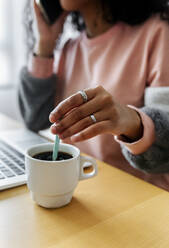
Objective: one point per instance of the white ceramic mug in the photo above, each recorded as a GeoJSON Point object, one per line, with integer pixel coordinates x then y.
{"type": "Point", "coordinates": [52, 183]}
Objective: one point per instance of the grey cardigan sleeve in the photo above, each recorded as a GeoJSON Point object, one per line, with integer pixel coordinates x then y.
{"type": "Point", "coordinates": [36, 99]}
{"type": "Point", "coordinates": [156, 158]}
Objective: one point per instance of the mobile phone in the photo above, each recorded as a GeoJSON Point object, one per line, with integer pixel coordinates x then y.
{"type": "Point", "coordinates": [51, 9]}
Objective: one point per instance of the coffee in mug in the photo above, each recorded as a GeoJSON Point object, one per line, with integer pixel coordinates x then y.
{"type": "Point", "coordinates": [48, 156]}
{"type": "Point", "coordinates": [52, 183]}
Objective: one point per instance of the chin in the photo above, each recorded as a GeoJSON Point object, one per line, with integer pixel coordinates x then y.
{"type": "Point", "coordinates": [73, 5]}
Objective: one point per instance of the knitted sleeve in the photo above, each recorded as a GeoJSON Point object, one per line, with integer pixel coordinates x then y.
{"type": "Point", "coordinates": [156, 158]}
{"type": "Point", "coordinates": [36, 99]}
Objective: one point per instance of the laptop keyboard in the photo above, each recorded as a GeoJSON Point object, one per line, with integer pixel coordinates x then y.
{"type": "Point", "coordinates": [12, 162]}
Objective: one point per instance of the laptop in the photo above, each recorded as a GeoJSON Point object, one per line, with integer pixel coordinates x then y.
{"type": "Point", "coordinates": [13, 145]}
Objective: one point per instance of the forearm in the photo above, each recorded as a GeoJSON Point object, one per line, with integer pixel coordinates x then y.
{"type": "Point", "coordinates": [36, 99]}
{"type": "Point", "coordinates": [155, 159]}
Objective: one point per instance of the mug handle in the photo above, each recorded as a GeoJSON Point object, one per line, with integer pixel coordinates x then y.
{"type": "Point", "coordinates": [90, 162]}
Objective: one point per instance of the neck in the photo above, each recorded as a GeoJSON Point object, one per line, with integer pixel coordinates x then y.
{"type": "Point", "coordinates": [95, 23]}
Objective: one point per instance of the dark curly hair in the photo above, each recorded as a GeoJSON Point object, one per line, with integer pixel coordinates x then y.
{"type": "Point", "coordinates": [132, 12]}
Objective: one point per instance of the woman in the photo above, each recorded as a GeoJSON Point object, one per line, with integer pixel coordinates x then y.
{"type": "Point", "coordinates": [114, 81]}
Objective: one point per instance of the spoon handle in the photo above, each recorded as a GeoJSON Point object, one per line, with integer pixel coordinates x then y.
{"type": "Point", "coordinates": [55, 148]}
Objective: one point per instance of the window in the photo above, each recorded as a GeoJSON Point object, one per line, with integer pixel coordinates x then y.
{"type": "Point", "coordinates": [11, 41]}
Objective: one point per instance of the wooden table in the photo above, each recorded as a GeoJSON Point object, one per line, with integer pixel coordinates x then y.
{"type": "Point", "coordinates": [113, 209]}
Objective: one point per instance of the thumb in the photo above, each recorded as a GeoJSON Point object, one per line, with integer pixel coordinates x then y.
{"type": "Point", "coordinates": [36, 8]}
{"type": "Point", "coordinates": [38, 13]}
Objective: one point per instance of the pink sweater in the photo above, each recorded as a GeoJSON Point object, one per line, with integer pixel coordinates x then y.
{"type": "Point", "coordinates": [124, 60]}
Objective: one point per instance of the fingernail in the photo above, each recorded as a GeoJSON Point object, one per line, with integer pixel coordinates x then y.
{"type": "Point", "coordinates": [51, 117]}
{"type": "Point", "coordinates": [52, 128]}
{"type": "Point", "coordinates": [57, 126]}
{"type": "Point", "coordinates": [74, 137]}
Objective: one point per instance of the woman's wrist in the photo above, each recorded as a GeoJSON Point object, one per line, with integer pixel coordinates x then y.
{"type": "Point", "coordinates": [45, 48]}
{"type": "Point", "coordinates": [134, 129]}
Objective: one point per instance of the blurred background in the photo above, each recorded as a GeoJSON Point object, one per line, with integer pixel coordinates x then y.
{"type": "Point", "coordinates": [12, 54]}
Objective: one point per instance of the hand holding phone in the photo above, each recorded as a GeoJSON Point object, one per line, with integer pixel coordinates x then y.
{"type": "Point", "coordinates": [49, 31]}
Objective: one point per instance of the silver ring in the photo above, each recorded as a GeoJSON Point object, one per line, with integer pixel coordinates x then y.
{"type": "Point", "coordinates": [93, 118]}
{"type": "Point", "coordinates": [84, 95]}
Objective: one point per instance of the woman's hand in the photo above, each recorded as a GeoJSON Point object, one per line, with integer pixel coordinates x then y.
{"type": "Point", "coordinates": [48, 34]}
{"type": "Point", "coordinates": [72, 118]}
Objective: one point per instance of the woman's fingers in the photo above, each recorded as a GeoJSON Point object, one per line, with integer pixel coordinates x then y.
{"type": "Point", "coordinates": [80, 125]}
{"type": "Point", "coordinates": [72, 117]}
{"type": "Point", "coordinates": [78, 114]}
{"type": "Point", "coordinates": [69, 104]}
{"type": "Point", "coordinates": [92, 131]}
